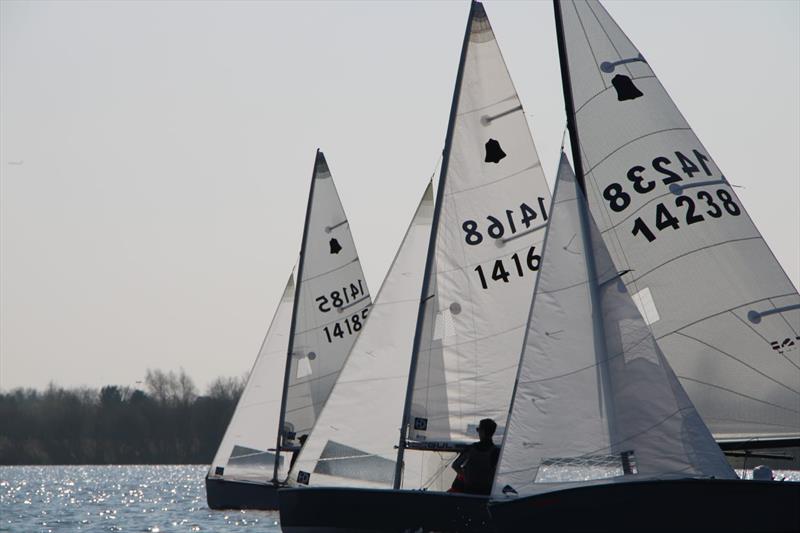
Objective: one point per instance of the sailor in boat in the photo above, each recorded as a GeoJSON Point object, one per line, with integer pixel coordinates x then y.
{"type": "Point", "coordinates": [763, 473]}
{"type": "Point", "coordinates": [475, 465]}
{"type": "Point", "coordinates": [296, 450]}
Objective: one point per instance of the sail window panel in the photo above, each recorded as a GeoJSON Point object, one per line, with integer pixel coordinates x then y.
{"type": "Point", "coordinates": [254, 424]}
{"type": "Point", "coordinates": [646, 306]}
{"type": "Point", "coordinates": [345, 461]}
{"type": "Point", "coordinates": [582, 468]}
{"type": "Point", "coordinates": [365, 407]}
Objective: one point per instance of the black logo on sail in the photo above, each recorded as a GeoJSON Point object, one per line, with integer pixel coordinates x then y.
{"type": "Point", "coordinates": [335, 246]}
{"type": "Point", "coordinates": [493, 152]}
{"type": "Point", "coordinates": [626, 90]}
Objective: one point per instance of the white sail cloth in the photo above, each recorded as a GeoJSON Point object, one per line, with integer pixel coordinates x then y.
{"type": "Point", "coordinates": [595, 397]}
{"type": "Point", "coordinates": [328, 314]}
{"type": "Point", "coordinates": [722, 309]}
{"type": "Point", "coordinates": [332, 305]}
{"type": "Point", "coordinates": [244, 451]}
{"type": "Point", "coordinates": [353, 442]}
{"type": "Point", "coordinates": [485, 257]}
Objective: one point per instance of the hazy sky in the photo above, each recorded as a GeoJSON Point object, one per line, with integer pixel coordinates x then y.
{"type": "Point", "coordinates": [155, 157]}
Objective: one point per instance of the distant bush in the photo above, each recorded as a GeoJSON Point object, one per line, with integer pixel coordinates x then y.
{"type": "Point", "coordinates": [168, 423]}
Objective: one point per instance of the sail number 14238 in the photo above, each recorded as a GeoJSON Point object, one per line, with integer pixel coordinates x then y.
{"type": "Point", "coordinates": [671, 172]}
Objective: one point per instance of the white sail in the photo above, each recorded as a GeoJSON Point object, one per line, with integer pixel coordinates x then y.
{"type": "Point", "coordinates": [595, 397]}
{"type": "Point", "coordinates": [331, 307]}
{"type": "Point", "coordinates": [244, 452]}
{"type": "Point", "coordinates": [722, 309]}
{"type": "Point", "coordinates": [353, 442]}
{"type": "Point", "coordinates": [485, 255]}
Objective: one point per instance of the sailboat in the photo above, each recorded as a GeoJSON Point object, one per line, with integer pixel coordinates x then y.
{"type": "Point", "coordinates": [321, 313]}
{"type": "Point", "coordinates": [702, 294]}
{"type": "Point", "coordinates": [673, 275]}
{"type": "Point", "coordinates": [353, 441]}
{"type": "Point", "coordinates": [598, 416]}
{"type": "Point", "coordinates": [720, 306]}
{"type": "Point", "coordinates": [480, 265]}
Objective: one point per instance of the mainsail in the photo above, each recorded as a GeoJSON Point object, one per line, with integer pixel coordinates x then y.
{"type": "Point", "coordinates": [331, 306]}
{"type": "Point", "coordinates": [244, 452]}
{"type": "Point", "coordinates": [719, 304]}
{"type": "Point", "coordinates": [353, 441]}
{"type": "Point", "coordinates": [482, 258]}
{"type": "Point", "coordinates": [595, 398]}
{"type": "Point", "coordinates": [317, 321]}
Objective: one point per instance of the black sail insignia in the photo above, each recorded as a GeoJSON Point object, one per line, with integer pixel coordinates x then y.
{"type": "Point", "coordinates": [626, 90]}
{"type": "Point", "coordinates": [494, 153]}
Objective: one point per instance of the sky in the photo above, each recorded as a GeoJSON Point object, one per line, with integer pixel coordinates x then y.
{"type": "Point", "coordinates": [155, 157]}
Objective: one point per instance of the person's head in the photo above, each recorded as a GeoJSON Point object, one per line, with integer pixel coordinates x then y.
{"type": "Point", "coordinates": [763, 473]}
{"type": "Point", "coordinates": [486, 428]}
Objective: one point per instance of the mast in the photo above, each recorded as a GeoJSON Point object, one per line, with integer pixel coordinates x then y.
{"type": "Point", "coordinates": [569, 103]}
{"type": "Point", "coordinates": [432, 249]}
{"type": "Point", "coordinates": [290, 349]}
{"type": "Point", "coordinates": [583, 210]}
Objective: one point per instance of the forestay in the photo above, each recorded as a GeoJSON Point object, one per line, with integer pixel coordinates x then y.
{"type": "Point", "coordinates": [721, 307]}
{"type": "Point", "coordinates": [595, 397]}
{"type": "Point", "coordinates": [353, 441]}
{"type": "Point", "coordinates": [245, 449]}
{"type": "Point", "coordinates": [331, 306]}
{"type": "Point", "coordinates": [485, 253]}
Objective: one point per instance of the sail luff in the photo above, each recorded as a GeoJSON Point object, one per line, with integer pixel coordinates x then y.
{"type": "Point", "coordinates": [432, 248]}
{"type": "Point", "coordinates": [290, 349]}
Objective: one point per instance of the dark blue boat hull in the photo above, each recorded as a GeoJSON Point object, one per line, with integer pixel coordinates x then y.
{"type": "Point", "coordinates": [306, 510]}
{"type": "Point", "coordinates": [228, 494]}
{"type": "Point", "coordinates": [661, 506]}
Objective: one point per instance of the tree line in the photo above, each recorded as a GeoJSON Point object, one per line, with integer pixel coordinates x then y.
{"type": "Point", "coordinates": [166, 423]}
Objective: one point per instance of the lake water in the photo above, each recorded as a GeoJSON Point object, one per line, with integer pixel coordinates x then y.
{"type": "Point", "coordinates": [116, 498]}
{"type": "Point", "coordinates": [39, 499]}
